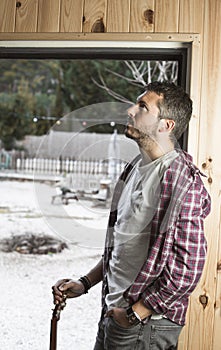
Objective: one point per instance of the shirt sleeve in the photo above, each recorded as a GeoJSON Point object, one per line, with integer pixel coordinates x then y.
{"type": "Point", "coordinates": [186, 260]}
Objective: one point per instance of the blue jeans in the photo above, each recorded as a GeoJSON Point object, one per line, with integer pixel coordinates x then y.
{"type": "Point", "coordinates": [155, 335]}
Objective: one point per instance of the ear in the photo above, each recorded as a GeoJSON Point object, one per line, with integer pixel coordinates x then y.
{"type": "Point", "coordinates": [166, 125]}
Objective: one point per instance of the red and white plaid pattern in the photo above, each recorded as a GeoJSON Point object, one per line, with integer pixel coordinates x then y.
{"type": "Point", "coordinates": [177, 244]}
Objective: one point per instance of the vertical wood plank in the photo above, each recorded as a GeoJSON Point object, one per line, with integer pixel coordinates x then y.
{"type": "Point", "coordinates": [191, 16]}
{"type": "Point", "coordinates": [26, 16]}
{"type": "Point", "coordinates": [210, 145]}
{"type": "Point", "coordinates": [71, 16]}
{"type": "Point", "coordinates": [201, 323]}
{"type": "Point", "coordinates": [200, 333]}
{"type": "Point", "coordinates": [48, 16]}
{"type": "Point", "coordinates": [95, 16]}
{"type": "Point", "coordinates": [118, 16]}
{"type": "Point", "coordinates": [209, 320]}
{"type": "Point", "coordinates": [141, 16]}
{"type": "Point", "coordinates": [7, 15]}
{"type": "Point", "coordinates": [166, 16]}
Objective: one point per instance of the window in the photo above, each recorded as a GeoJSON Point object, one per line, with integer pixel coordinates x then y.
{"type": "Point", "coordinates": [91, 71]}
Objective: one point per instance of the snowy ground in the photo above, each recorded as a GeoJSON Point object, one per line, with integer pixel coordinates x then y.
{"type": "Point", "coordinates": [26, 280]}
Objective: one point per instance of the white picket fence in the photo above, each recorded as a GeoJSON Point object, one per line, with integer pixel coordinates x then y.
{"type": "Point", "coordinates": [63, 166]}
{"type": "Point", "coordinates": [79, 174]}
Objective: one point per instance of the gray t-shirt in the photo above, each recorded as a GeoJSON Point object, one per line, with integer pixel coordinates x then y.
{"type": "Point", "coordinates": [136, 208]}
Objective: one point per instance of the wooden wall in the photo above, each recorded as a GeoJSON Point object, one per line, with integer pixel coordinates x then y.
{"type": "Point", "coordinates": [125, 16]}
{"type": "Point", "coordinates": [25, 18]}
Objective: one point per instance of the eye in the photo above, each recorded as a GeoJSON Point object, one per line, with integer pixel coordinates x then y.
{"type": "Point", "coordinates": [143, 106]}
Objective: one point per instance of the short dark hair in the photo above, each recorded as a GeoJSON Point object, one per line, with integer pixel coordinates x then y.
{"type": "Point", "coordinates": [176, 105]}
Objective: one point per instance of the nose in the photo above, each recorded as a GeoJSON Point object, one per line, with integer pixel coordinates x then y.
{"type": "Point", "coordinates": [132, 111]}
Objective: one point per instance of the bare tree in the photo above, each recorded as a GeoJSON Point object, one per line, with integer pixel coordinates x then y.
{"type": "Point", "coordinates": [141, 74]}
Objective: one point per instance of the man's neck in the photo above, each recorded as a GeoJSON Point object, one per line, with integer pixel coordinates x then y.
{"type": "Point", "coordinates": [156, 152]}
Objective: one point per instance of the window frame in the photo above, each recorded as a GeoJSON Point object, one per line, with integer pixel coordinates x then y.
{"type": "Point", "coordinates": [67, 45]}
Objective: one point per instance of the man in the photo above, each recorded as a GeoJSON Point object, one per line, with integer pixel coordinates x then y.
{"type": "Point", "coordinates": [155, 246]}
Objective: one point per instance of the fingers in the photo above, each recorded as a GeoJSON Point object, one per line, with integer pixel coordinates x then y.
{"type": "Point", "coordinates": [58, 290]}
{"type": "Point", "coordinates": [119, 315]}
{"type": "Point", "coordinates": [109, 313]}
{"type": "Point", "coordinates": [67, 287]}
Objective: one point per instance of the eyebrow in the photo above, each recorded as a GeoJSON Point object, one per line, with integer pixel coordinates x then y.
{"type": "Point", "coordinates": [139, 100]}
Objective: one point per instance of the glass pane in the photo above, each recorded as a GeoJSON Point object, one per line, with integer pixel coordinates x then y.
{"type": "Point", "coordinates": [35, 94]}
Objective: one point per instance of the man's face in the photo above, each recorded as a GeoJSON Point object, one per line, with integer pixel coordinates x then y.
{"type": "Point", "coordinates": [143, 118]}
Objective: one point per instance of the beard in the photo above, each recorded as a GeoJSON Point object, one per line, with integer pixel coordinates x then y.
{"type": "Point", "coordinates": [131, 132]}
{"type": "Point", "coordinates": [144, 137]}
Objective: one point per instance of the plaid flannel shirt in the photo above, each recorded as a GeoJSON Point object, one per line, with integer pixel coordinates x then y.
{"type": "Point", "coordinates": [177, 243]}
